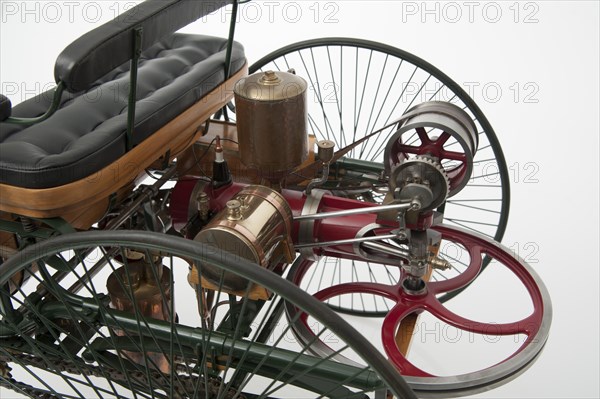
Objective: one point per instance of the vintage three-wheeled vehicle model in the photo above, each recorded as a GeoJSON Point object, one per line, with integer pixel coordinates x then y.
{"type": "Point", "coordinates": [176, 223]}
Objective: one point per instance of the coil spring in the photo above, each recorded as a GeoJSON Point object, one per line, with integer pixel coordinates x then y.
{"type": "Point", "coordinates": [28, 224]}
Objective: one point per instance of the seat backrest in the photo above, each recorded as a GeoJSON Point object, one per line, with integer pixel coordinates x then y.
{"type": "Point", "coordinates": [101, 50]}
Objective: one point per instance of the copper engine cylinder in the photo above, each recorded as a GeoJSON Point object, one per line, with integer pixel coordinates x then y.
{"type": "Point", "coordinates": [271, 123]}
{"type": "Point", "coordinates": [137, 280]}
{"type": "Point", "coordinates": [256, 225]}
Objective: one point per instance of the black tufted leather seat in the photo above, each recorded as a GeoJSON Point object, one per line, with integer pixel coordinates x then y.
{"type": "Point", "coordinates": [88, 132]}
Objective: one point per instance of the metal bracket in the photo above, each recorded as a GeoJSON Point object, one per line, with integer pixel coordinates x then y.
{"type": "Point", "coordinates": [53, 108]}
{"type": "Point", "coordinates": [133, 72]}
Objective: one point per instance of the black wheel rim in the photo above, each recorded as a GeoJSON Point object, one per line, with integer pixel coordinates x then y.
{"type": "Point", "coordinates": [70, 330]}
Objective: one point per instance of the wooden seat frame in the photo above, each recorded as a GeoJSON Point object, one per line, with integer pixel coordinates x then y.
{"type": "Point", "coordinates": [83, 202]}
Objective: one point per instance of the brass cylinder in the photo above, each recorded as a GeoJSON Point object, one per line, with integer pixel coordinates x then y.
{"type": "Point", "coordinates": [272, 122]}
{"type": "Point", "coordinates": [256, 226]}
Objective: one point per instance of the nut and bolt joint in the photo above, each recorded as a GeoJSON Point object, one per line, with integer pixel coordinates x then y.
{"type": "Point", "coordinates": [203, 206]}
{"type": "Point", "coordinates": [439, 263]}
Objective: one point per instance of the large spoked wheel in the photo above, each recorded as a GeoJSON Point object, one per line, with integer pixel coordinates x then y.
{"type": "Point", "coordinates": [450, 354]}
{"type": "Point", "coordinates": [111, 327]}
{"type": "Point", "coordinates": [357, 87]}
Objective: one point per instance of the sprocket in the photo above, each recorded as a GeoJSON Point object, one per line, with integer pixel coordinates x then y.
{"type": "Point", "coordinates": [421, 177]}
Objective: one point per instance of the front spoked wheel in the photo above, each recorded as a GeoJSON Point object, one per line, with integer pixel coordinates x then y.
{"type": "Point", "coordinates": [487, 348]}
{"type": "Point", "coordinates": [357, 87]}
{"type": "Point", "coordinates": [128, 321]}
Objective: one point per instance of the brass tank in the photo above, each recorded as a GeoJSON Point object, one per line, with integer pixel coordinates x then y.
{"type": "Point", "coordinates": [145, 282]}
{"type": "Point", "coordinates": [272, 123]}
{"type": "Point", "coordinates": [256, 225]}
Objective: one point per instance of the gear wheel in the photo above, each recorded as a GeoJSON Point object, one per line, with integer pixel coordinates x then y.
{"type": "Point", "coordinates": [422, 177]}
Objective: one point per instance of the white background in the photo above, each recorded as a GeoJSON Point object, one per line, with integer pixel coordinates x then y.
{"type": "Point", "coordinates": [550, 46]}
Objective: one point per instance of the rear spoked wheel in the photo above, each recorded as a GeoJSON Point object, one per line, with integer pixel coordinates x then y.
{"type": "Point", "coordinates": [357, 87]}
{"type": "Point", "coordinates": [125, 322]}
